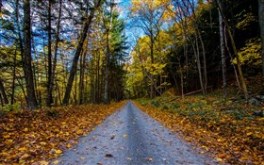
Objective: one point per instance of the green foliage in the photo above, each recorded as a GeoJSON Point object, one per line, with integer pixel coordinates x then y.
{"type": "Point", "coordinates": [247, 20]}
{"type": "Point", "coordinates": [155, 103]}
{"type": "Point", "coordinates": [16, 108]}
{"type": "Point", "coordinates": [238, 114]}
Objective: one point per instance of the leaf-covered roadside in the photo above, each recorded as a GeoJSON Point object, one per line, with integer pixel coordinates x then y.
{"type": "Point", "coordinates": [224, 128]}
{"type": "Point", "coordinates": [38, 136]}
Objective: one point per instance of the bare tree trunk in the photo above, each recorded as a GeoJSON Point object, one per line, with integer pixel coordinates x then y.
{"type": "Point", "coordinates": [239, 68]}
{"type": "Point", "coordinates": [197, 55]}
{"type": "Point", "coordinates": [27, 59]}
{"type": "Point", "coordinates": [57, 37]}
{"type": "Point", "coordinates": [222, 48]}
{"type": "Point", "coordinates": [182, 87]}
{"type": "Point", "coordinates": [108, 54]}
{"type": "Point", "coordinates": [152, 95]}
{"type": "Point", "coordinates": [14, 77]}
{"type": "Point", "coordinates": [49, 90]}
{"type": "Point", "coordinates": [18, 28]}
{"type": "Point", "coordinates": [231, 58]}
{"type": "Point", "coordinates": [97, 79]}
{"type": "Point", "coordinates": [82, 71]}
{"type": "Point", "coordinates": [205, 79]}
{"type": "Point", "coordinates": [1, 100]}
{"type": "Point", "coordinates": [78, 52]}
{"type": "Point", "coordinates": [3, 92]}
{"type": "Point", "coordinates": [1, 4]}
{"type": "Point", "coordinates": [261, 23]}
{"type": "Point", "coordinates": [106, 87]}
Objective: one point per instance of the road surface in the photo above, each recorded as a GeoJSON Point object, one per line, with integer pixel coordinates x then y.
{"type": "Point", "coordinates": [130, 137]}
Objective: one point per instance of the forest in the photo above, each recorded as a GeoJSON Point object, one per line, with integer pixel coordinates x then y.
{"type": "Point", "coordinates": [199, 59]}
{"type": "Point", "coordinates": [59, 52]}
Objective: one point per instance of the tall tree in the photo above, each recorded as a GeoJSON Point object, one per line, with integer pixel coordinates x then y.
{"type": "Point", "coordinates": [108, 25]}
{"type": "Point", "coordinates": [27, 58]}
{"type": "Point", "coordinates": [49, 83]}
{"type": "Point", "coordinates": [3, 92]}
{"type": "Point", "coordinates": [150, 14]}
{"type": "Point", "coordinates": [233, 44]}
{"type": "Point", "coordinates": [261, 23]}
{"type": "Point", "coordinates": [55, 58]}
{"type": "Point", "coordinates": [81, 40]}
{"type": "Point", "coordinates": [222, 47]}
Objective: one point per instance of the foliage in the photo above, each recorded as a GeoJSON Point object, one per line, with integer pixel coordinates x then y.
{"type": "Point", "coordinates": [10, 108]}
{"type": "Point", "coordinates": [39, 136]}
{"type": "Point", "coordinates": [250, 54]}
{"type": "Point", "coordinates": [223, 127]}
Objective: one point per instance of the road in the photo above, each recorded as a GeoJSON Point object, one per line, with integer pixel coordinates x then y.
{"type": "Point", "coordinates": [130, 137]}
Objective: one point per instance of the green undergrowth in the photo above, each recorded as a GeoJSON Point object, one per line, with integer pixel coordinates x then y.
{"type": "Point", "coordinates": [212, 107]}
{"type": "Point", "coordinates": [225, 126]}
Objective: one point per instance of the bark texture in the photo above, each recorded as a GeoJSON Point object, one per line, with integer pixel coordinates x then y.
{"type": "Point", "coordinates": [27, 59]}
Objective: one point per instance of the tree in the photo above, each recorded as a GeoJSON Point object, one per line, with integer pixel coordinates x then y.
{"type": "Point", "coordinates": [261, 23]}
{"type": "Point", "coordinates": [222, 47]}
{"type": "Point", "coordinates": [82, 38]}
{"type": "Point", "coordinates": [108, 27]}
{"type": "Point", "coordinates": [49, 83]}
{"type": "Point", "coordinates": [27, 58]}
{"type": "Point", "coordinates": [3, 92]}
{"type": "Point", "coordinates": [150, 14]}
{"type": "Point", "coordinates": [233, 44]}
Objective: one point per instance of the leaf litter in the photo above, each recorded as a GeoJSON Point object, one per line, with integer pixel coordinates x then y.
{"type": "Point", "coordinates": [35, 137]}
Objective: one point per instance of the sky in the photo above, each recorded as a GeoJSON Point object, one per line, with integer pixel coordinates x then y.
{"type": "Point", "coordinates": [123, 7]}
{"type": "Point", "coordinates": [131, 31]}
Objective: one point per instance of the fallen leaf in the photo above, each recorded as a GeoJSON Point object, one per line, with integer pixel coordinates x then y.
{"type": "Point", "coordinates": [109, 155]}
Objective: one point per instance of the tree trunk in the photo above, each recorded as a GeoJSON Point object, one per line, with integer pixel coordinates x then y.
{"type": "Point", "coordinates": [106, 87]}
{"type": "Point", "coordinates": [82, 74]}
{"type": "Point", "coordinates": [3, 92]}
{"type": "Point", "coordinates": [261, 23]}
{"type": "Point", "coordinates": [1, 4]}
{"type": "Point", "coordinates": [57, 37]}
{"type": "Point", "coordinates": [222, 48]}
{"type": "Point", "coordinates": [197, 55]}
{"type": "Point", "coordinates": [233, 44]}
{"type": "Point", "coordinates": [78, 52]}
{"type": "Point", "coordinates": [18, 28]}
{"type": "Point", "coordinates": [14, 77]}
{"type": "Point", "coordinates": [108, 54]}
{"type": "Point", "coordinates": [27, 59]}
{"type": "Point", "coordinates": [49, 86]}
{"type": "Point", "coordinates": [205, 79]}
{"type": "Point", "coordinates": [231, 59]}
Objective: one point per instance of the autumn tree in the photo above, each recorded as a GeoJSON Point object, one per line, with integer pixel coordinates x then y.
{"type": "Point", "coordinates": [222, 46]}
{"type": "Point", "coordinates": [82, 38]}
{"type": "Point", "coordinates": [261, 23]}
{"type": "Point", "coordinates": [27, 58]}
{"type": "Point", "coordinates": [150, 13]}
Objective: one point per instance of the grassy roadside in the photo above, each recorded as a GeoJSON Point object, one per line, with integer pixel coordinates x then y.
{"type": "Point", "coordinates": [36, 137]}
{"type": "Point", "coordinates": [225, 128]}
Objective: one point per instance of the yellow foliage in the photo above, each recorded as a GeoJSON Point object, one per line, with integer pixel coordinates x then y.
{"type": "Point", "coordinates": [250, 54]}
{"type": "Point", "coordinates": [147, 4]}
{"type": "Point", "coordinates": [37, 138]}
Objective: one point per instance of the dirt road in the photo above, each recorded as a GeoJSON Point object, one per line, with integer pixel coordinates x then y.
{"type": "Point", "coordinates": [130, 137]}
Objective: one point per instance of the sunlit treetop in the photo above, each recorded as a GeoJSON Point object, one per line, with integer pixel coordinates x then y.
{"type": "Point", "coordinates": [149, 4]}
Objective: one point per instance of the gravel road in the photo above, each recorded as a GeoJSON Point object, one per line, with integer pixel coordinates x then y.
{"type": "Point", "coordinates": [130, 137]}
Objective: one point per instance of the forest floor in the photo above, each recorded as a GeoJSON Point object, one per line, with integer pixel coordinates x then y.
{"type": "Point", "coordinates": [34, 137]}
{"type": "Point", "coordinates": [226, 127]}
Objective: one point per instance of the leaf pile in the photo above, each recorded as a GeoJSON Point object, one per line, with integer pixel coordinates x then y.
{"type": "Point", "coordinates": [36, 137]}
{"type": "Point", "coordinates": [226, 129]}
